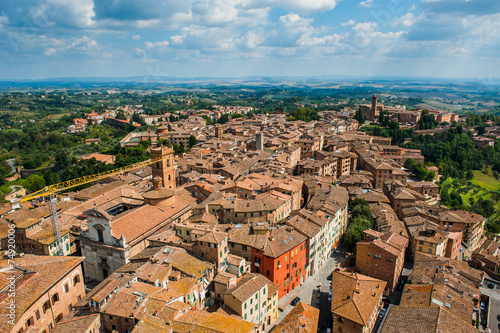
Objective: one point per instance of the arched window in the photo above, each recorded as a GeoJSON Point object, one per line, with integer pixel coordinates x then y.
{"type": "Point", "coordinates": [100, 235]}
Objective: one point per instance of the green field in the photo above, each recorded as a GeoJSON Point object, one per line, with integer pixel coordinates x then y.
{"type": "Point", "coordinates": [481, 186]}
{"type": "Point", "coordinates": [485, 181]}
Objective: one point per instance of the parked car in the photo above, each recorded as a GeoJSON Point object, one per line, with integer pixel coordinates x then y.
{"type": "Point", "coordinates": [386, 301]}
{"type": "Point", "coordinates": [337, 269]}
{"type": "Point", "coordinates": [295, 301]}
{"type": "Point", "coordinates": [382, 313]}
{"type": "Point", "coordinates": [483, 306]}
{"type": "Point", "coordinates": [329, 277]}
{"type": "Point", "coordinates": [491, 285]}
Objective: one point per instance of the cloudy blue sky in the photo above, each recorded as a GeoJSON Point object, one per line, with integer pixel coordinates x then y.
{"type": "Point", "coordinates": [230, 38]}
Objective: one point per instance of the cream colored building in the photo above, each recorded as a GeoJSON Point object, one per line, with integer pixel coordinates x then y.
{"type": "Point", "coordinates": [255, 299]}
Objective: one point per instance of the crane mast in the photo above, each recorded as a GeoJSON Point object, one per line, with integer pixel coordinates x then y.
{"type": "Point", "coordinates": [51, 190]}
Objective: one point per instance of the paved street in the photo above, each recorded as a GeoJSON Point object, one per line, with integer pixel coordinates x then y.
{"type": "Point", "coordinates": [493, 322]}
{"type": "Point", "coordinates": [494, 306]}
{"type": "Point", "coordinates": [305, 292]}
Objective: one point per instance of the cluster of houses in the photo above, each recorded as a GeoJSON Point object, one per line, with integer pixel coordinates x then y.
{"type": "Point", "coordinates": [212, 239]}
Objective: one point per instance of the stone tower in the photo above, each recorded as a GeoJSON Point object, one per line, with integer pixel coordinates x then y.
{"type": "Point", "coordinates": [164, 169]}
{"type": "Point", "coordinates": [373, 111]}
{"type": "Point", "coordinates": [218, 132]}
{"type": "Point", "coordinates": [259, 141]}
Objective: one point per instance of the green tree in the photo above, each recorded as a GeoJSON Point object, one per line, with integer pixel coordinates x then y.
{"type": "Point", "coordinates": [121, 116]}
{"type": "Point", "coordinates": [35, 183]}
{"type": "Point", "coordinates": [192, 141]}
{"type": "Point", "coordinates": [145, 143]}
{"type": "Point", "coordinates": [359, 117]}
{"type": "Point", "coordinates": [208, 121]}
{"type": "Point", "coordinates": [223, 119]}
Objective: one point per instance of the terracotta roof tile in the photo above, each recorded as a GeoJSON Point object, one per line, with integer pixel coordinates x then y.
{"type": "Point", "coordinates": [355, 296]}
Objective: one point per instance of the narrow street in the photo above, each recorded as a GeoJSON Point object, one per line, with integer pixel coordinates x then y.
{"type": "Point", "coordinates": [493, 308]}
{"type": "Point", "coordinates": [309, 289]}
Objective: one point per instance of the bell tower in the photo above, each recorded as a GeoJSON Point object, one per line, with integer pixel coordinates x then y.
{"type": "Point", "coordinates": [374, 107]}
{"type": "Point", "coordinates": [164, 169]}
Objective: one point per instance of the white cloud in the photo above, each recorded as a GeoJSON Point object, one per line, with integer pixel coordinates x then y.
{"type": "Point", "coordinates": [305, 6]}
{"type": "Point", "coordinates": [50, 51]}
{"type": "Point", "coordinates": [348, 23]}
{"type": "Point", "coordinates": [404, 21]}
{"type": "Point", "coordinates": [160, 45]}
{"type": "Point", "coordinates": [139, 52]}
{"type": "Point", "coordinates": [54, 46]}
{"type": "Point", "coordinates": [367, 3]}
{"type": "Point", "coordinates": [136, 37]}
{"type": "Point", "coordinates": [84, 43]}
{"type": "Point", "coordinates": [3, 20]}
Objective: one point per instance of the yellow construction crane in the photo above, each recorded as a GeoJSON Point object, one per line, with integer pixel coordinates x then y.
{"type": "Point", "coordinates": [51, 190]}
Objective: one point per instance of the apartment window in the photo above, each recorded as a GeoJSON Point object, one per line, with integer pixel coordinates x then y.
{"type": "Point", "coordinates": [368, 254]}
{"type": "Point", "coordinates": [245, 307]}
{"type": "Point", "coordinates": [46, 306]}
{"type": "Point", "coordinates": [251, 312]}
{"type": "Point", "coordinates": [66, 288]}
{"type": "Point", "coordinates": [279, 263]}
{"type": "Point", "coordinates": [30, 321]}
{"type": "Point", "coordinates": [268, 273]}
{"type": "Point", "coordinates": [55, 298]}
{"type": "Point", "coordinates": [420, 248]}
{"type": "Point", "coordinates": [430, 250]}
{"type": "Point", "coordinates": [50, 327]}
{"type": "Point", "coordinates": [59, 317]}
{"type": "Point", "coordinates": [251, 301]}
{"type": "Point", "coordinates": [244, 247]}
{"type": "Point", "coordinates": [37, 314]}
{"type": "Point", "coordinates": [245, 316]}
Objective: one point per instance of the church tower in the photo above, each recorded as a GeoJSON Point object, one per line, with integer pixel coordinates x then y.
{"type": "Point", "coordinates": [373, 113]}
{"type": "Point", "coordinates": [164, 169]}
